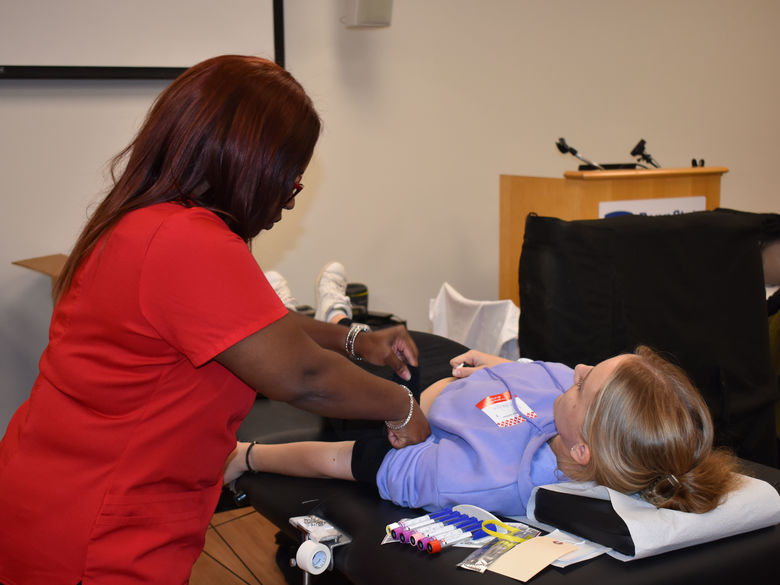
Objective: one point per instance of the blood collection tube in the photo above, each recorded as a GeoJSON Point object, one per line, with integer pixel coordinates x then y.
{"type": "Point", "coordinates": [397, 532]}
{"type": "Point", "coordinates": [403, 535]}
{"type": "Point", "coordinates": [435, 546]}
{"type": "Point", "coordinates": [437, 528]}
{"type": "Point", "coordinates": [434, 532]}
{"type": "Point", "coordinates": [395, 527]}
{"type": "Point", "coordinates": [419, 520]}
{"type": "Point", "coordinates": [422, 543]}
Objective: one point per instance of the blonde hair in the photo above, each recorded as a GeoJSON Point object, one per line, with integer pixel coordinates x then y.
{"type": "Point", "coordinates": [650, 431]}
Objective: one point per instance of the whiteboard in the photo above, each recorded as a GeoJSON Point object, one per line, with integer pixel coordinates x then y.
{"type": "Point", "coordinates": [132, 33]}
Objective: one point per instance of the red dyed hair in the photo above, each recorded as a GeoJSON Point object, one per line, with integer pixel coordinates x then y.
{"type": "Point", "coordinates": [230, 134]}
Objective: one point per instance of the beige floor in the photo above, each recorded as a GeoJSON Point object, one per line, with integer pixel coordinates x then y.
{"type": "Point", "coordinates": [239, 550]}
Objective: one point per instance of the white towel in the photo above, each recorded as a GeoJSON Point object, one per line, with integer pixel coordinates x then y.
{"type": "Point", "coordinates": [489, 326]}
{"type": "Point", "coordinates": [755, 504]}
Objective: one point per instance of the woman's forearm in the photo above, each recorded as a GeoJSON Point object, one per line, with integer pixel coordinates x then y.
{"type": "Point", "coordinates": [327, 335]}
{"type": "Point", "coordinates": [284, 363]}
{"type": "Point", "coordinates": [337, 388]}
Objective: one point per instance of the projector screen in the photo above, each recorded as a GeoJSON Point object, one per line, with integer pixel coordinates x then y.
{"type": "Point", "coordinates": [130, 38]}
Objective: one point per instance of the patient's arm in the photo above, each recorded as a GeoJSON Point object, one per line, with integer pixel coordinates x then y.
{"type": "Point", "coordinates": [431, 392]}
{"type": "Point", "coordinates": [463, 365]}
{"type": "Point", "coordinates": [467, 363]}
{"type": "Point", "coordinates": [309, 458]}
{"type": "Point", "coordinates": [302, 459]}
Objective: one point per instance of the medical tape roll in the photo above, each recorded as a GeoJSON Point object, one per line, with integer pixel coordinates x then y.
{"type": "Point", "coordinates": [313, 557]}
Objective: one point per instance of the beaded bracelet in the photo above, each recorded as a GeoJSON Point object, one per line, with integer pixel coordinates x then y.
{"type": "Point", "coordinates": [408, 416]}
{"type": "Point", "coordinates": [248, 449]}
{"type": "Point", "coordinates": [349, 344]}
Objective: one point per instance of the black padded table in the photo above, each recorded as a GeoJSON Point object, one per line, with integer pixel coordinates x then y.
{"type": "Point", "coordinates": [357, 509]}
{"type": "Point", "coordinates": [748, 558]}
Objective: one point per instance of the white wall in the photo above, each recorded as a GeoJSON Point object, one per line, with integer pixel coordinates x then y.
{"type": "Point", "coordinates": [420, 118]}
{"type": "Point", "coordinates": [55, 140]}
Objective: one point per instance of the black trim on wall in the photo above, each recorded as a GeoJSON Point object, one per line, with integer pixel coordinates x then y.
{"type": "Point", "coordinates": [83, 72]}
{"type": "Point", "coordinates": [78, 72]}
{"type": "Point", "coordinates": [279, 32]}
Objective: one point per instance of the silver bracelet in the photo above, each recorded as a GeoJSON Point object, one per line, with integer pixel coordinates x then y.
{"type": "Point", "coordinates": [408, 416]}
{"type": "Point", "coordinates": [349, 344]}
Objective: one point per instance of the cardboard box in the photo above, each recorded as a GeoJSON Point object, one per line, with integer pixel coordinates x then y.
{"type": "Point", "coordinates": [49, 265]}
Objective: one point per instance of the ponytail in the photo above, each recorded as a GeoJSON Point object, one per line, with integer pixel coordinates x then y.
{"type": "Point", "coordinates": [698, 490]}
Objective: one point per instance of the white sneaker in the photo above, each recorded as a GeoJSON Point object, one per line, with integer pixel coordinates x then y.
{"type": "Point", "coordinates": [330, 290]}
{"type": "Point", "coordinates": [280, 286]}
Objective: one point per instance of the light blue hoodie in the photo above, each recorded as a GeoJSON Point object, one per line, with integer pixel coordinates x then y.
{"type": "Point", "coordinates": [473, 458]}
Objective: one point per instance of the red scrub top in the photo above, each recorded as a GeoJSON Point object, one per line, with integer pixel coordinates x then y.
{"type": "Point", "coordinates": [111, 470]}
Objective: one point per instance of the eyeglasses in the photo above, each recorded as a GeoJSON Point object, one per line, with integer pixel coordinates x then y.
{"type": "Point", "coordinates": [297, 188]}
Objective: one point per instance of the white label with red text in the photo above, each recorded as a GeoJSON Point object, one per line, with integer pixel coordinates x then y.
{"type": "Point", "coordinates": [500, 409]}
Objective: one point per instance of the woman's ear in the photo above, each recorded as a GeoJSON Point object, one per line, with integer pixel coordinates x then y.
{"type": "Point", "coordinates": [580, 453]}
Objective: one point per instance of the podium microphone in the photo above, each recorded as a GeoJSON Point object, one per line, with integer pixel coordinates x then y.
{"type": "Point", "coordinates": [566, 149]}
{"type": "Point", "coordinates": [639, 152]}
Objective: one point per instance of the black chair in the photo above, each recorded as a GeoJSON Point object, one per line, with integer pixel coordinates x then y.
{"type": "Point", "coordinates": [690, 286]}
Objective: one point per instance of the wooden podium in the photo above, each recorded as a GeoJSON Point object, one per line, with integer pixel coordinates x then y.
{"type": "Point", "coordinates": [577, 196]}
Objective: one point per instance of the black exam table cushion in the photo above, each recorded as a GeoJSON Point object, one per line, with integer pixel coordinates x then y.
{"type": "Point", "coordinates": [356, 509]}
{"type": "Point", "coordinates": [589, 518]}
{"type": "Point", "coordinates": [597, 521]}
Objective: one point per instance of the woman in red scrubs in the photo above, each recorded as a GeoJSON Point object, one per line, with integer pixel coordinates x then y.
{"type": "Point", "coordinates": [163, 330]}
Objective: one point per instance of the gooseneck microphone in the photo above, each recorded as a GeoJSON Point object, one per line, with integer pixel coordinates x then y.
{"type": "Point", "coordinates": [566, 149]}
{"type": "Point", "coordinates": [641, 154]}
